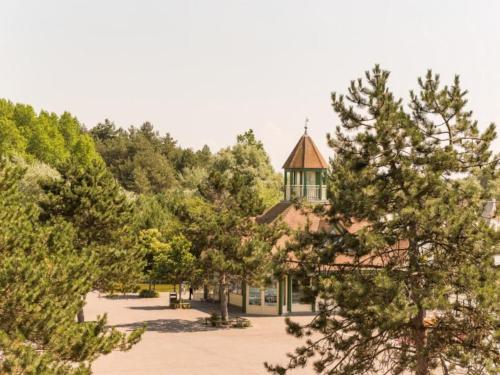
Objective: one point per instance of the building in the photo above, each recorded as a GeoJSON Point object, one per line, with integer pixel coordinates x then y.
{"type": "Point", "coordinates": [490, 214]}
{"type": "Point", "coordinates": [304, 178]}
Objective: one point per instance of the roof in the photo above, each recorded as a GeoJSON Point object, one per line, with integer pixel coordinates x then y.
{"type": "Point", "coordinates": [305, 155]}
{"type": "Point", "coordinates": [297, 218]}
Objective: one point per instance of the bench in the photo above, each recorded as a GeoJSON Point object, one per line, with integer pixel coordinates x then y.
{"type": "Point", "coordinates": [181, 305]}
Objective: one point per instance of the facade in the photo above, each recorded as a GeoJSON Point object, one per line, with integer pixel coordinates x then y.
{"type": "Point", "coordinates": [304, 178]}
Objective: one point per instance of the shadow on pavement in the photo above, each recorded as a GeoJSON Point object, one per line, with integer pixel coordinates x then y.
{"type": "Point", "coordinates": [158, 307]}
{"type": "Point", "coordinates": [121, 296]}
{"type": "Point", "coordinates": [209, 307]}
{"type": "Point", "coordinates": [170, 325]}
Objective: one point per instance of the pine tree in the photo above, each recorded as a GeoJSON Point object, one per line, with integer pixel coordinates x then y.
{"type": "Point", "coordinates": [43, 280]}
{"type": "Point", "coordinates": [420, 291]}
{"type": "Point", "coordinates": [237, 248]}
{"type": "Point", "coordinates": [101, 215]}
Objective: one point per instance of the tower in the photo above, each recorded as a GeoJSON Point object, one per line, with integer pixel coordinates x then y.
{"type": "Point", "coordinates": [304, 172]}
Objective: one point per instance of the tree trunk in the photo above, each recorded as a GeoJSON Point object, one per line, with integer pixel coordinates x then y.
{"type": "Point", "coordinates": [420, 344]}
{"type": "Point", "coordinates": [80, 316]}
{"type": "Point", "coordinates": [205, 292]}
{"type": "Point", "coordinates": [223, 298]}
{"type": "Point", "coordinates": [180, 292]}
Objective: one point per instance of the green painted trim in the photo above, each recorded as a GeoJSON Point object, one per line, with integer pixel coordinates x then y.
{"type": "Point", "coordinates": [306, 169]}
{"type": "Point", "coordinates": [281, 297]}
{"type": "Point", "coordinates": [289, 294]}
{"type": "Point", "coordinates": [244, 296]}
{"type": "Point", "coordinates": [284, 190]}
{"type": "Point", "coordinates": [305, 183]}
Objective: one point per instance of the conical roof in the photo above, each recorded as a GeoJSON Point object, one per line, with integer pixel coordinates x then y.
{"type": "Point", "coordinates": [305, 155]}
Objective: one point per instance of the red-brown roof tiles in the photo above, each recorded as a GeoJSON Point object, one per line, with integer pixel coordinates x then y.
{"type": "Point", "coordinates": [305, 155]}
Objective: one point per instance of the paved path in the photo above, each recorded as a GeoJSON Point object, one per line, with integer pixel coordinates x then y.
{"type": "Point", "coordinates": [178, 343]}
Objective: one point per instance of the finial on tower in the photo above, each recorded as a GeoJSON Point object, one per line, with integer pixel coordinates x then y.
{"type": "Point", "coordinates": [305, 125]}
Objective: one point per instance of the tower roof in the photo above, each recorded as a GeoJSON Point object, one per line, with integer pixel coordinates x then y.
{"type": "Point", "coordinates": [305, 155]}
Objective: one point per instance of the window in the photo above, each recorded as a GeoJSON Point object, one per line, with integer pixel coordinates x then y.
{"type": "Point", "coordinates": [270, 295]}
{"type": "Point", "coordinates": [298, 295]}
{"type": "Point", "coordinates": [235, 287]}
{"type": "Point", "coordinates": [254, 296]}
{"type": "Point", "coordinates": [311, 178]}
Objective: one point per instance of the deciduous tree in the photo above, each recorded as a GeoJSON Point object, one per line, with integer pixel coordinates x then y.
{"type": "Point", "coordinates": [176, 263]}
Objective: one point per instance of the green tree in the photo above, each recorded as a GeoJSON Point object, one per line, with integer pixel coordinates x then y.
{"type": "Point", "coordinates": [45, 137]}
{"type": "Point", "coordinates": [145, 162]}
{"type": "Point", "coordinates": [154, 212]}
{"type": "Point", "coordinates": [237, 247]}
{"type": "Point", "coordinates": [138, 158]}
{"type": "Point", "coordinates": [11, 140]}
{"type": "Point", "coordinates": [43, 280]}
{"type": "Point", "coordinates": [152, 245]}
{"type": "Point", "coordinates": [249, 153]}
{"type": "Point", "coordinates": [95, 205]}
{"type": "Point", "coordinates": [175, 262]}
{"type": "Point", "coordinates": [420, 291]}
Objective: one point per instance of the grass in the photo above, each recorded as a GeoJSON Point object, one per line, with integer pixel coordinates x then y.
{"type": "Point", "coordinates": [158, 287]}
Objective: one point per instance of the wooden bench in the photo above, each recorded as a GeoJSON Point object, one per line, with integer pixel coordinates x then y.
{"type": "Point", "coordinates": [181, 305]}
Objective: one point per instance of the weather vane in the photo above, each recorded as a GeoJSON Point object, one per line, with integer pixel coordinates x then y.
{"type": "Point", "coordinates": [305, 125]}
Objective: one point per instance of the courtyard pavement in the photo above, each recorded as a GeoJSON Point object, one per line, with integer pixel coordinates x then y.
{"type": "Point", "coordinates": [177, 342]}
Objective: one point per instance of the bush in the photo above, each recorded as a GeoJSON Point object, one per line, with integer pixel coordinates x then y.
{"type": "Point", "coordinates": [215, 319]}
{"type": "Point", "coordinates": [242, 323]}
{"type": "Point", "coordinates": [146, 293]}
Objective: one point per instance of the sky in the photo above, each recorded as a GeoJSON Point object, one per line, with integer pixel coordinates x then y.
{"type": "Point", "coordinates": [205, 71]}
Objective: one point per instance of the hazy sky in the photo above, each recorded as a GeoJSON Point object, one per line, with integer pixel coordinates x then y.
{"type": "Point", "coordinates": [207, 70]}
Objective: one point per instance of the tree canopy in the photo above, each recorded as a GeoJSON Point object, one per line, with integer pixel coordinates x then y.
{"type": "Point", "coordinates": [45, 136]}
{"type": "Point", "coordinates": [43, 282]}
{"type": "Point", "coordinates": [142, 160]}
{"type": "Point", "coordinates": [420, 291]}
{"type": "Point", "coordinates": [93, 203]}
{"type": "Point", "coordinates": [237, 248]}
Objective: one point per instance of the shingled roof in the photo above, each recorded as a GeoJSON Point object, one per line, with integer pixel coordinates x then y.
{"type": "Point", "coordinates": [305, 155]}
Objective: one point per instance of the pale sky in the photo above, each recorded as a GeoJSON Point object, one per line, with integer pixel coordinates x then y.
{"type": "Point", "coordinates": [205, 71]}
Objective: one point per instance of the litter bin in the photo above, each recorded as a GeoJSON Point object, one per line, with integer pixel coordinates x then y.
{"type": "Point", "coordinates": [172, 298]}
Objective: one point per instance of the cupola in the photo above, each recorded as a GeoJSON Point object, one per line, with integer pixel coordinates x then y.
{"type": "Point", "coordinates": [304, 172]}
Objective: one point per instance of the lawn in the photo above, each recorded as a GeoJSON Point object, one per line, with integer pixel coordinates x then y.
{"type": "Point", "coordinates": [158, 287]}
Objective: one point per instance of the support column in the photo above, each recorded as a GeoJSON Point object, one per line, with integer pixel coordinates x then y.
{"type": "Point", "coordinates": [294, 173]}
{"type": "Point", "coordinates": [244, 296]}
{"type": "Point", "coordinates": [304, 178]}
{"type": "Point", "coordinates": [289, 293]}
{"type": "Point", "coordinates": [319, 181]}
{"type": "Point", "coordinates": [285, 187]}
{"type": "Point", "coordinates": [281, 299]}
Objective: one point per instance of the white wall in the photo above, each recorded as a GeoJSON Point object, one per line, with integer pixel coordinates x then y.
{"type": "Point", "coordinates": [236, 299]}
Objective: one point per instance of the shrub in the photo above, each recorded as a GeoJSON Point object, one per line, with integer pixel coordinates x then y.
{"type": "Point", "coordinates": [215, 319]}
{"type": "Point", "coordinates": [242, 323]}
{"type": "Point", "coordinates": [146, 293]}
